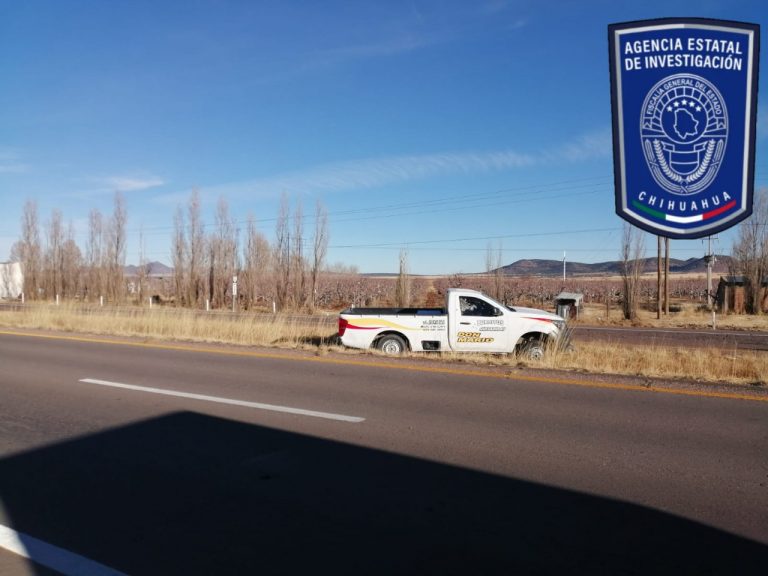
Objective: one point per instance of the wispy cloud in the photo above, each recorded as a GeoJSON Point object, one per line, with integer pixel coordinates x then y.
{"type": "Point", "coordinates": [11, 163]}
{"type": "Point", "coordinates": [495, 8]}
{"type": "Point", "coordinates": [589, 146]}
{"type": "Point", "coordinates": [363, 174]}
{"type": "Point", "coordinates": [386, 47]}
{"type": "Point", "coordinates": [13, 167]}
{"type": "Point", "coordinates": [95, 186]}
{"type": "Point", "coordinates": [373, 173]}
{"type": "Point", "coordinates": [130, 183]}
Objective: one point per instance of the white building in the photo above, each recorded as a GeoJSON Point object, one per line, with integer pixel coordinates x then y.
{"type": "Point", "coordinates": [11, 280]}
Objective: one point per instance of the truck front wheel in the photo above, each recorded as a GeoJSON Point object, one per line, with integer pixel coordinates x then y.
{"type": "Point", "coordinates": [391, 345]}
{"type": "Point", "coordinates": [533, 349]}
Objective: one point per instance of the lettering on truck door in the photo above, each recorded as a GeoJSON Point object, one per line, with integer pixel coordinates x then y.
{"type": "Point", "coordinates": [481, 326]}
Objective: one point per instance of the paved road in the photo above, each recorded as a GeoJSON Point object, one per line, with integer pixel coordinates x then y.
{"type": "Point", "coordinates": [280, 463]}
{"type": "Point", "coordinates": [699, 338]}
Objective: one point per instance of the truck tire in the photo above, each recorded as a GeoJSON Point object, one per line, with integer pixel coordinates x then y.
{"type": "Point", "coordinates": [391, 345]}
{"type": "Point", "coordinates": [533, 349]}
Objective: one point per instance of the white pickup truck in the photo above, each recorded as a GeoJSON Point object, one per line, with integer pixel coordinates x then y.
{"type": "Point", "coordinates": [470, 322]}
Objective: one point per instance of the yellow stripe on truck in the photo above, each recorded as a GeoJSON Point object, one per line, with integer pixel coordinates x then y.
{"type": "Point", "coordinates": [375, 323]}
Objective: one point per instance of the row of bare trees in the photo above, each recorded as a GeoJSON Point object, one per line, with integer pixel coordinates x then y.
{"type": "Point", "coordinates": [53, 263]}
{"type": "Point", "coordinates": [207, 261]}
{"type": "Point", "coordinates": [208, 265]}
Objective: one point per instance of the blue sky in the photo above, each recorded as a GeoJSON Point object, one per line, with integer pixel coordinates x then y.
{"type": "Point", "coordinates": [438, 127]}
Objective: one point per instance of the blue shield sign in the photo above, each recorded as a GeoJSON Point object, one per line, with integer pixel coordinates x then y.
{"type": "Point", "coordinates": [684, 102]}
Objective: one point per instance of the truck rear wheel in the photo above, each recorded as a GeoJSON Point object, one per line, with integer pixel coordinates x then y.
{"type": "Point", "coordinates": [391, 344]}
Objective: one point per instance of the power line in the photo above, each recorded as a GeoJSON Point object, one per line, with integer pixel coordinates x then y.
{"type": "Point", "coordinates": [473, 238]}
{"type": "Point", "coordinates": [569, 187]}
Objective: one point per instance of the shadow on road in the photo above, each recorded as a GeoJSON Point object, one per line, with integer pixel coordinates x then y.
{"type": "Point", "coordinates": [191, 494]}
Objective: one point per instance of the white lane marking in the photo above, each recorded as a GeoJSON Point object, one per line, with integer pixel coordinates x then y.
{"type": "Point", "coordinates": [257, 405]}
{"type": "Point", "coordinates": [50, 556]}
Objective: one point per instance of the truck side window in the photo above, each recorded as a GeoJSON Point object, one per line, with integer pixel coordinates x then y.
{"type": "Point", "coordinates": [475, 307]}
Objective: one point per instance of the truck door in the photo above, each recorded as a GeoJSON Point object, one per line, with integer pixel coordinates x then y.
{"type": "Point", "coordinates": [477, 326]}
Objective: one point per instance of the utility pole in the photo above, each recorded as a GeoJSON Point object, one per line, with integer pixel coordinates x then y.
{"type": "Point", "coordinates": [710, 260]}
{"type": "Point", "coordinates": [666, 277]}
{"type": "Point", "coordinates": [658, 280]}
{"type": "Point", "coordinates": [234, 271]}
{"type": "Point", "coordinates": [563, 267]}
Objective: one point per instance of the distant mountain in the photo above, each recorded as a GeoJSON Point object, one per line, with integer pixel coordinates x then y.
{"type": "Point", "coordinates": [542, 268]}
{"type": "Point", "coordinates": [153, 269]}
{"type": "Point", "coordinates": [554, 268]}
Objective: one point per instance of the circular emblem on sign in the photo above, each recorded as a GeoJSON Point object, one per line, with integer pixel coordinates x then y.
{"type": "Point", "coordinates": [684, 130]}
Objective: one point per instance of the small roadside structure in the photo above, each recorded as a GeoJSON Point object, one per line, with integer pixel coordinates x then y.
{"type": "Point", "coordinates": [568, 304]}
{"type": "Point", "coordinates": [11, 280]}
{"type": "Point", "coordinates": [731, 295]}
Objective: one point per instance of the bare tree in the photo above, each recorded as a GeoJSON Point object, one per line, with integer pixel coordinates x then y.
{"type": "Point", "coordinates": [211, 264]}
{"type": "Point", "coordinates": [403, 286]}
{"type": "Point", "coordinates": [257, 262]}
{"type": "Point", "coordinates": [115, 250]}
{"type": "Point", "coordinates": [298, 263]}
{"type": "Point", "coordinates": [282, 257]}
{"type": "Point", "coordinates": [632, 255]}
{"type": "Point", "coordinates": [489, 258]}
{"type": "Point", "coordinates": [750, 253]}
{"type": "Point", "coordinates": [30, 251]}
{"type": "Point", "coordinates": [143, 269]}
{"type": "Point", "coordinates": [319, 250]}
{"type": "Point", "coordinates": [222, 254]}
{"type": "Point", "coordinates": [179, 257]}
{"type": "Point", "coordinates": [71, 264]}
{"type": "Point", "coordinates": [52, 268]}
{"type": "Point", "coordinates": [494, 267]}
{"type": "Point", "coordinates": [94, 256]}
{"type": "Point", "coordinates": [195, 252]}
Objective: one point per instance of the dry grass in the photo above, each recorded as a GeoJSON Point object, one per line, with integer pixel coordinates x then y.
{"type": "Point", "coordinates": [700, 364]}
{"type": "Point", "coordinates": [705, 365]}
{"type": "Point", "coordinates": [682, 315]}
{"type": "Point", "coordinates": [162, 324]}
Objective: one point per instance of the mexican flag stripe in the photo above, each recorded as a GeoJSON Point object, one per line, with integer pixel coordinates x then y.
{"type": "Point", "coordinates": [683, 219]}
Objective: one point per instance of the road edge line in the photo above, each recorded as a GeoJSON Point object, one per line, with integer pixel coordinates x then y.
{"type": "Point", "coordinates": [45, 554]}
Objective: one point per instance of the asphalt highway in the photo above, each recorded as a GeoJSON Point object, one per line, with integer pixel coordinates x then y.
{"type": "Point", "coordinates": [694, 338]}
{"type": "Point", "coordinates": [125, 457]}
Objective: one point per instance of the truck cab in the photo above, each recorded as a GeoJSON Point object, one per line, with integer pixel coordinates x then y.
{"type": "Point", "coordinates": [478, 323]}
